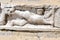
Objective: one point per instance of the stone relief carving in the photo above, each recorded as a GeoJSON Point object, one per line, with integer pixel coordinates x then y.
{"type": "Point", "coordinates": [21, 15]}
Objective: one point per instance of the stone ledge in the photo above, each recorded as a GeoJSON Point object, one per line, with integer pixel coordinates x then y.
{"type": "Point", "coordinates": [37, 29]}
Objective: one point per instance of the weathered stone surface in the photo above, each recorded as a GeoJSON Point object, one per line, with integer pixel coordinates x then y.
{"type": "Point", "coordinates": [26, 8]}
{"type": "Point", "coordinates": [26, 14]}
{"type": "Point", "coordinates": [32, 14]}
{"type": "Point", "coordinates": [49, 35]}
{"type": "Point", "coordinates": [8, 35]}
{"type": "Point", "coordinates": [35, 35]}
{"type": "Point", "coordinates": [57, 18]}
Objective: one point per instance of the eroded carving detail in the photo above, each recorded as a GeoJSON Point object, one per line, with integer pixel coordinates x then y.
{"type": "Point", "coordinates": [10, 16]}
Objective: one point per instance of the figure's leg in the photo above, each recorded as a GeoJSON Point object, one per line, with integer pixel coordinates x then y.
{"type": "Point", "coordinates": [18, 22]}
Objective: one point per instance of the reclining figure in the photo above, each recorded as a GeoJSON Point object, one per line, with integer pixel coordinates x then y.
{"type": "Point", "coordinates": [35, 18]}
{"type": "Point", "coordinates": [32, 18]}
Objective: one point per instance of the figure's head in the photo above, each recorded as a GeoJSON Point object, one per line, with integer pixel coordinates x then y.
{"type": "Point", "coordinates": [10, 9]}
{"type": "Point", "coordinates": [7, 8]}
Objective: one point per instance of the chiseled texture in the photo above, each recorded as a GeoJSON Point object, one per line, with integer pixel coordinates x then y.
{"type": "Point", "coordinates": [8, 35]}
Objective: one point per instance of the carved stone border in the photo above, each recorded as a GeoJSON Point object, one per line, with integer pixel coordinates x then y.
{"type": "Point", "coordinates": [52, 29]}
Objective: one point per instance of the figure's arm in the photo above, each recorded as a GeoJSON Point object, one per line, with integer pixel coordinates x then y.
{"type": "Point", "coordinates": [49, 14]}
